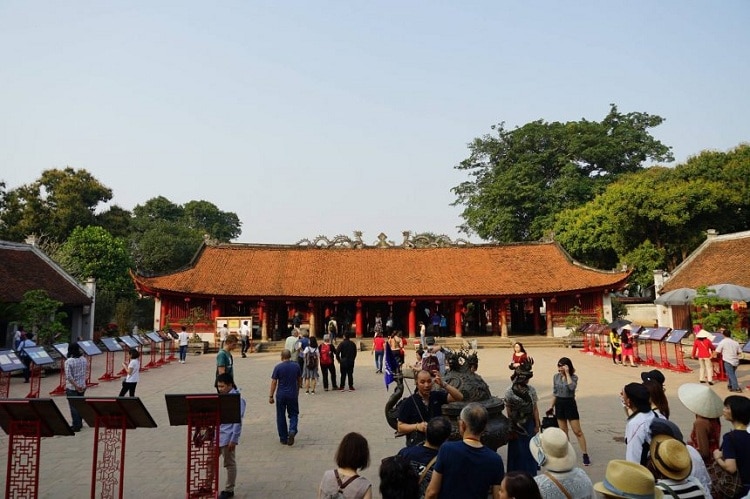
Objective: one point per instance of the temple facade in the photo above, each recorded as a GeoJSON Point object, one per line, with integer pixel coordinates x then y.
{"type": "Point", "coordinates": [461, 288]}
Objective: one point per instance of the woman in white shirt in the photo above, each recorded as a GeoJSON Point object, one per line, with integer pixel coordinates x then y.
{"type": "Point", "coordinates": [133, 368]}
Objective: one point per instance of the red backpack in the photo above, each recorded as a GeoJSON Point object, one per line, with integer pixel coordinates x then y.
{"type": "Point", "coordinates": [325, 355]}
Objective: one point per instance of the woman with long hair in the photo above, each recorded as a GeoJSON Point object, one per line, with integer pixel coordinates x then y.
{"type": "Point", "coordinates": [519, 356]}
{"type": "Point", "coordinates": [564, 406]}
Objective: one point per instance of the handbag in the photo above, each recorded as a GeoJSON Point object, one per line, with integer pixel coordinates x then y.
{"type": "Point", "coordinates": [549, 421]}
{"type": "Point", "coordinates": [724, 484]}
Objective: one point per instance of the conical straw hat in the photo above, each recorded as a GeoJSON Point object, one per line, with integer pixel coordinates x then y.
{"type": "Point", "coordinates": [700, 400]}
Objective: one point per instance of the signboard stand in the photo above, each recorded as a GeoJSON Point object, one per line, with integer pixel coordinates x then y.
{"type": "Point", "coordinates": [589, 339]}
{"type": "Point", "coordinates": [9, 362]}
{"type": "Point", "coordinates": [717, 363]}
{"type": "Point", "coordinates": [26, 421]}
{"type": "Point", "coordinates": [203, 413]}
{"type": "Point", "coordinates": [111, 418]}
{"type": "Point", "coordinates": [89, 349]}
{"type": "Point", "coordinates": [130, 342]}
{"type": "Point", "coordinates": [39, 357]}
{"type": "Point", "coordinates": [112, 346]}
{"type": "Point", "coordinates": [62, 349]}
{"type": "Point", "coordinates": [155, 340]}
{"type": "Point", "coordinates": [675, 338]}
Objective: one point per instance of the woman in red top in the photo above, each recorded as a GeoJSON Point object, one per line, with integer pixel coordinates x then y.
{"type": "Point", "coordinates": [519, 356]}
{"type": "Point", "coordinates": [703, 349]}
{"type": "Point", "coordinates": [378, 348]}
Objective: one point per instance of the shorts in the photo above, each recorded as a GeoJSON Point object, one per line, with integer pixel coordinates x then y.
{"type": "Point", "coordinates": [566, 409]}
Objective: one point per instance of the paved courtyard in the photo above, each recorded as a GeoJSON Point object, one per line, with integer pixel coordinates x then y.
{"type": "Point", "coordinates": [155, 464]}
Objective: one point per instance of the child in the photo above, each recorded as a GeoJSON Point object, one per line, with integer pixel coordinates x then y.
{"type": "Point", "coordinates": [133, 368]}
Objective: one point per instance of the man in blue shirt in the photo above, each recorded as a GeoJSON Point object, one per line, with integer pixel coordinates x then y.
{"type": "Point", "coordinates": [286, 380]}
{"type": "Point", "coordinates": [422, 457]}
{"type": "Point", "coordinates": [229, 436]}
{"type": "Point", "coordinates": [466, 468]}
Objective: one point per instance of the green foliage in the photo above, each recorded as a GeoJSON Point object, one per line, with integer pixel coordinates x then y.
{"type": "Point", "coordinates": [124, 311]}
{"type": "Point", "coordinates": [654, 218]}
{"type": "Point", "coordinates": [41, 314]}
{"type": "Point", "coordinates": [573, 320]}
{"type": "Point", "coordinates": [521, 178]}
{"type": "Point", "coordinates": [713, 312]}
{"type": "Point", "coordinates": [196, 316]}
{"type": "Point", "coordinates": [52, 206]}
{"type": "Point", "coordinates": [619, 309]}
{"type": "Point", "coordinates": [207, 218]}
{"type": "Point", "coordinates": [164, 246]}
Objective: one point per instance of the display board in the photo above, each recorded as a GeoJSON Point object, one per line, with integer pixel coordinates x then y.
{"type": "Point", "coordinates": [154, 336]}
{"type": "Point", "coordinates": [676, 335]}
{"type": "Point", "coordinates": [39, 356]}
{"type": "Point", "coordinates": [89, 348]}
{"type": "Point", "coordinates": [9, 361]}
{"type": "Point", "coordinates": [659, 333]}
{"type": "Point", "coordinates": [129, 341]}
{"type": "Point", "coordinates": [112, 345]}
{"type": "Point", "coordinates": [62, 349]}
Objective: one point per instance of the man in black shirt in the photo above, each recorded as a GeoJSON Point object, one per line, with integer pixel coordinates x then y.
{"type": "Point", "coordinates": [346, 352]}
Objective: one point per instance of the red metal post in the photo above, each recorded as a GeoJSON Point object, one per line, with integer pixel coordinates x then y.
{"type": "Point", "coordinates": [603, 340]}
{"type": "Point", "coordinates": [717, 365]}
{"type": "Point", "coordinates": [89, 383]}
{"type": "Point", "coordinates": [650, 353]}
{"type": "Point", "coordinates": [109, 371]}
{"type": "Point", "coordinates": [22, 473]}
{"type": "Point", "coordinates": [663, 356]}
{"type": "Point", "coordinates": [162, 353]}
{"type": "Point", "coordinates": [60, 389]}
{"type": "Point", "coordinates": [35, 381]}
{"type": "Point", "coordinates": [679, 356]}
{"type": "Point", "coordinates": [171, 350]}
{"type": "Point", "coordinates": [152, 362]}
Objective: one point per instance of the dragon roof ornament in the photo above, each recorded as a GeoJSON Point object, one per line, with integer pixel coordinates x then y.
{"type": "Point", "coordinates": [410, 240]}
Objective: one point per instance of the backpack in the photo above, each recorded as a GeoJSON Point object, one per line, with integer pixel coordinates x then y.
{"type": "Point", "coordinates": [311, 360]}
{"type": "Point", "coordinates": [430, 363]}
{"type": "Point", "coordinates": [342, 485]}
{"type": "Point", "coordinates": [331, 327]}
{"type": "Point", "coordinates": [325, 355]}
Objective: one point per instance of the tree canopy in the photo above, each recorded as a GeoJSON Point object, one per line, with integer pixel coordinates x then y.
{"type": "Point", "coordinates": [521, 178]}
{"type": "Point", "coordinates": [655, 217]}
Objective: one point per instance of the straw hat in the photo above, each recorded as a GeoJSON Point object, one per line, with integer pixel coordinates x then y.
{"type": "Point", "coordinates": [704, 334]}
{"type": "Point", "coordinates": [626, 479]}
{"type": "Point", "coordinates": [670, 457]}
{"type": "Point", "coordinates": [552, 449]}
{"type": "Point", "coordinates": [700, 400]}
{"type": "Point", "coordinates": [627, 327]}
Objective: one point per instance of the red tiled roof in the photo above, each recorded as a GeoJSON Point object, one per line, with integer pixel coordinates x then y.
{"type": "Point", "coordinates": [541, 269]}
{"type": "Point", "coordinates": [23, 268]}
{"type": "Point", "coordinates": [723, 259]}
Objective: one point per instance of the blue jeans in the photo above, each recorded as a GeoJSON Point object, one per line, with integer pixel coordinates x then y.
{"type": "Point", "coordinates": [183, 352]}
{"type": "Point", "coordinates": [286, 404]}
{"type": "Point", "coordinates": [732, 375]}
{"type": "Point", "coordinates": [74, 414]}
{"type": "Point", "coordinates": [379, 360]}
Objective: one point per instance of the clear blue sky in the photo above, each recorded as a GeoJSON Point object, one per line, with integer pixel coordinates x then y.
{"type": "Point", "coordinates": [319, 117]}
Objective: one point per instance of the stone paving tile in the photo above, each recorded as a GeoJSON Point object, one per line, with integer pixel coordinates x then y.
{"type": "Point", "coordinates": [155, 463]}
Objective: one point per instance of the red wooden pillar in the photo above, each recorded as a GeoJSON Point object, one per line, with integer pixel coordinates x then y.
{"type": "Point", "coordinates": [413, 319]}
{"type": "Point", "coordinates": [215, 312]}
{"type": "Point", "coordinates": [495, 317]}
{"type": "Point", "coordinates": [504, 318]}
{"type": "Point", "coordinates": [162, 314]}
{"type": "Point", "coordinates": [537, 316]}
{"type": "Point", "coordinates": [262, 319]}
{"type": "Point", "coordinates": [550, 325]}
{"type": "Point", "coordinates": [358, 320]}
{"type": "Point", "coordinates": [457, 324]}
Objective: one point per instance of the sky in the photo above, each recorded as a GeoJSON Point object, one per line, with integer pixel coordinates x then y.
{"type": "Point", "coordinates": [311, 118]}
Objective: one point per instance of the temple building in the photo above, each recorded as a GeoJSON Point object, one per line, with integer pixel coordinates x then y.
{"type": "Point", "coordinates": [464, 289]}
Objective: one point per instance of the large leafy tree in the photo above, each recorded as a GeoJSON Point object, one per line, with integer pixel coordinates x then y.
{"type": "Point", "coordinates": [94, 252]}
{"type": "Point", "coordinates": [166, 235]}
{"type": "Point", "coordinates": [42, 315]}
{"type": "Point", "coordinates": [655, 217]}
{"type": "Point", "coordinates": [521, 178]}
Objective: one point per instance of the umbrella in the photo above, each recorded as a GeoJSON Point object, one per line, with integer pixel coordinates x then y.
{"type": "Point", "coordinates": [731, 292]}
{"type": "Point", "coordinates": [618, 324]}
{"type": "Point", "coordinates": [679, 296]}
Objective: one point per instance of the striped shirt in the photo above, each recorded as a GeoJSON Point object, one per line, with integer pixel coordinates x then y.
{"type": "Point", "coordinates": [690, 488]}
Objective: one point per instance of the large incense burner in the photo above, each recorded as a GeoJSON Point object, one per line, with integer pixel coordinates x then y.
{"type": "Point", "coordinates": [463, 365]}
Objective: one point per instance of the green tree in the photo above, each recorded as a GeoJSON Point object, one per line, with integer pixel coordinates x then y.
{"type": "Point", "coordinates": [163, 247]}
{"type": "Point", "coordinates": [521, 178]}
{"type": "Point", "coordinates": [94, 252]}
{"type": "Point", "coordinates": [42, 315]}
{"type": "Point", "coordinates": [713, 312]}
{"type": "Point", "coordinates": [53, 205]}
{"type": "Point", "coordinates": [207, 218]}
